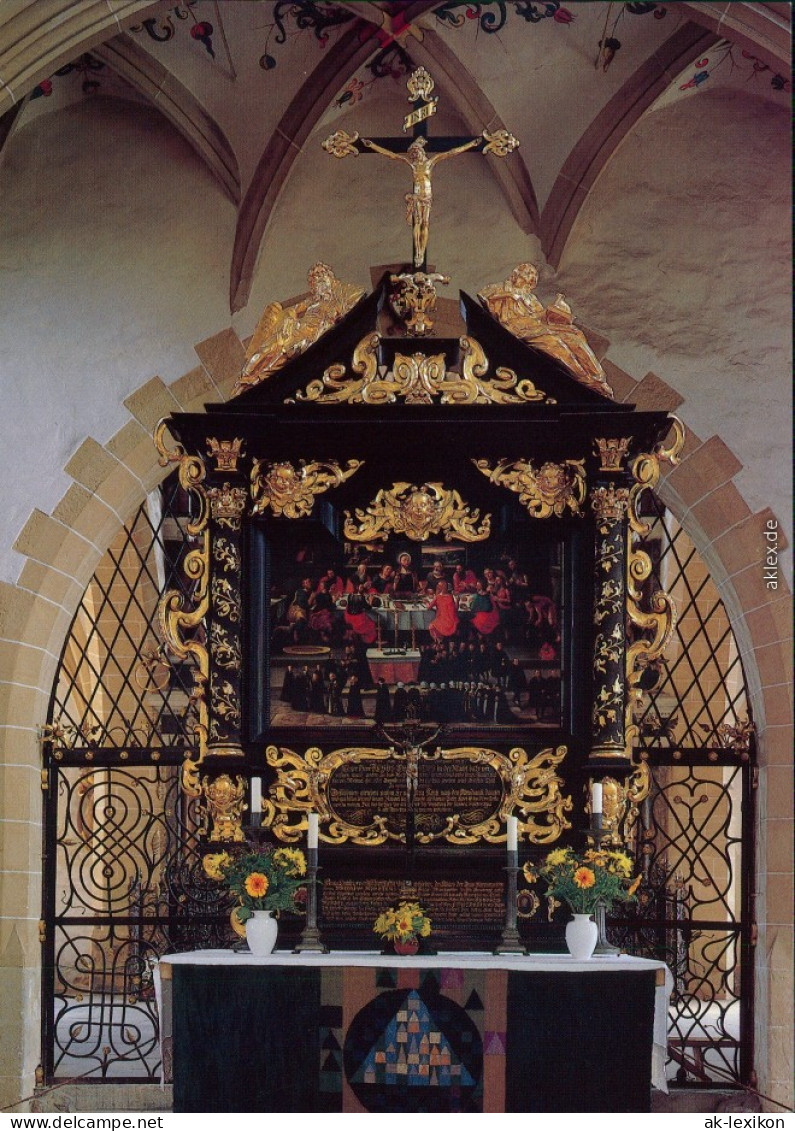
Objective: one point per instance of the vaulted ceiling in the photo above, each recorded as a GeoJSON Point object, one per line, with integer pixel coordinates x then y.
{"type": "Point", "coordinates": [247, 83]}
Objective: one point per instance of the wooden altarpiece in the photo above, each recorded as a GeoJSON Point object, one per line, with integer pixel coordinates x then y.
{"type": "Point", "coordinates": [480, 451]}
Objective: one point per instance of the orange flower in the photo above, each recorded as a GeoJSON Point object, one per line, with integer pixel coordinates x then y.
{"type": "Point", "coordinates": [256, 884]}
{"type": "Point", "coordinates": [404, 925]}
{"type": "Point", "coordinates": [584, 878]}
{"type": "Point", "coordinates": [634, 886]}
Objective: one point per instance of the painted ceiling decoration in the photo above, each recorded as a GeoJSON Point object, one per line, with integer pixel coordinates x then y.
{"type": "Point", "coordinates": [199, 61]}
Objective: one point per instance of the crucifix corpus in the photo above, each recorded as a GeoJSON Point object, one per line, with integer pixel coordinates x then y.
{"type": "Point", "coordinates": [421, 154]}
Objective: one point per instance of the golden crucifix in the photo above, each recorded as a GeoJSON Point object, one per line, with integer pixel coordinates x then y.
{"type": "Point", "coordinates": [422, 155]}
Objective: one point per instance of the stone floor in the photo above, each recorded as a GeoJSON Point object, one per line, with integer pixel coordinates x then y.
{"type": "Point", "coordinates": [153, 1098]}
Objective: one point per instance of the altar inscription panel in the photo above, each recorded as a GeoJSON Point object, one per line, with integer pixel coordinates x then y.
{"type": "Point", "coordinates": [360, 792]}
{"type": "Point", "coordinates": [449, 903]}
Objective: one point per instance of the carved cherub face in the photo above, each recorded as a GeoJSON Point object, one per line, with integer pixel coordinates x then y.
{"type": "Point", "coordinates": [282, 479]}
{"type": "Point", "coordinates": [553, 478]}
{"type": "Point", "coordinates": [221, 790]}
{"type": "Point", "coordinates": [419, 510]}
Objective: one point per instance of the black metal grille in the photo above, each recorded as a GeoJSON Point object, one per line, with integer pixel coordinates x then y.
{"type": "Point", "coordinates": [123, 881]}
{"type": "Point", "coordinates": [116, 686]}
{"type": "Point", "coordinates": [698, 688]}
{"type": "Point", "coordinates": [694, 911]}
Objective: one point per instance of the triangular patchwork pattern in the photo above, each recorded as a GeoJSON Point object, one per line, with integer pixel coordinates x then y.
{"type": "Point", "coordinates": [412, 1049]}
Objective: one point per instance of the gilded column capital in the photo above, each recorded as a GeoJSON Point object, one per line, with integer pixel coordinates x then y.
{"type": "Point", "coordinates": [612, 451]}
{"type": "Point", "coordinates": [610, 504]}
{"type": "Point", "coordinates": [227, 504]}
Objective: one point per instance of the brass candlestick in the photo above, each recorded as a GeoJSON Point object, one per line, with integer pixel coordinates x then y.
{"type": "Point", "coordinates": [310, 941]}
{"type": "Point", "coordinates": [510, 943]}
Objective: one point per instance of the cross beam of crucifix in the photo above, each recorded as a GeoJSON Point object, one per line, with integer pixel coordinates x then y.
{"type": "Point", "coordinates": [421, 153]}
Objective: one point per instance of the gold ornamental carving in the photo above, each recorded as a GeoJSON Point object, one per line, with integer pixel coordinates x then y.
{"type": "Point", "coordinates": [655, 625]}
{"type": "Point", "coordinates": [417, 512]}
{"type": "Point", "coordinates": [226, 599]}
{"type": "Point", "coordinates": [499, 142]}
{"type": "Point", "coordinates": [225, 705]}
{"type": "Point", "coordinates": [621, 803]}
{"type": "Point", "coordinates": [420, 379]}
{"type": "Point", "coordinates": [420, 86]}
{"type": "Point", "coordinates": [178, 617]}
{"type": "Point", "coordinates": [287, 490]}
{"type": "Point", "coordinates": [284, 332]}
{"type": "Point", "coordinates": [612, 452]}
{"type": "Point", "coordinates": [421, 156]}
{"type": "Point", "coordinates": [342, 144]}
{"type": "Point", "coordinates": [529, 788]}
{"type": "Point", "coordinates": [550, 329]}
{"type": "Point", "coordinates": [413, 299]}
{"type": "Point", "coordinates": [554, 488]}
{"type": "Point", "coordinates": [609, 505]}
{"type": "Point", "coordinates": [227, 505]}
{"type": "Point", "coordinates": [225, 800]}
{"type": "Point", "coordinates": [226, 453]}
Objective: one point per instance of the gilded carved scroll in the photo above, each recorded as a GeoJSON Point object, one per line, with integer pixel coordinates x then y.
{"type": "Point", "coordinates": [657, 623]}
{"type": "Point", "coordinates": [554, 488]}
{"type": "Point", "coordinates": [179, 618]}
{"type": "Point", "coordinates": [417, 512]}
{"type": "Point", "coordinates": [287, 490]}
{"type": "Point", "coordinates": [455, 812]}
{"type": "Point", "coordinates": [420, 379]}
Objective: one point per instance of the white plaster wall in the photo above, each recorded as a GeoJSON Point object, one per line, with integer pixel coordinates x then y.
{"type": "Point", "coordinates": [682, 257]}
{"type": "Point", "coordinates": [115, 246]}
{"type": "Point", "coordinates": [114, 261]}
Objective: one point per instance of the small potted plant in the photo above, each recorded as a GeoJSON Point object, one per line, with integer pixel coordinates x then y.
{"type": "Point", "coordinates": [264, 882]}
{"type": "Point", "coordinates": [583, 881]}
{"type": "Point", "coordinates": [403, 926]}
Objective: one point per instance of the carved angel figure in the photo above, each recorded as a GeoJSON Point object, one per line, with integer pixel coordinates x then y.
{"type": "Point", "coordinates": [551, 329]}
{"type": "Point", "coordinates": [284, 332]}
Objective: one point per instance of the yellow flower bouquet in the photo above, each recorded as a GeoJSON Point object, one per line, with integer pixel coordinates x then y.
{"type": "Point", "coordinates": [586, 879]}
{"type": "Point", "coordinates": [267, 880]}
{"type": "Point", "coordinates": [403, 926]}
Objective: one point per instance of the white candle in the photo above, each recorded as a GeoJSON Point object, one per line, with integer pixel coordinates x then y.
{"type": "Point", "coordinates": [513, 834]}
{"type": "Point", "coordinates": [596, 797]}
{"type": "Point", "coordinates": [311, 836]}
{"type": "Point", "coordinates": [256, 796]}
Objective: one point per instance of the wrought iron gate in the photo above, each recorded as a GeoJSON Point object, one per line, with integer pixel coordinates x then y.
{"type": "Point", "coordinates": [123, 881]}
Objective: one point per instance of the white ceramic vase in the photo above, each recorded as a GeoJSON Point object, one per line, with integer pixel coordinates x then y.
{"type": "Point", "coordinates": [581, 936]}
{"type": "Point", "coordinates": [261, 931]}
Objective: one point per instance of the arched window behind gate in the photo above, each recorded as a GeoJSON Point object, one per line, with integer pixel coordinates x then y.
{"type": "Point", "coordinates": [123, 882]}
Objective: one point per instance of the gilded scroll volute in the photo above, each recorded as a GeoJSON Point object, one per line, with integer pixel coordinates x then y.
{"type": "Point", "coordinates": [417, 512]}
{"type": "Point", "coordinates": [178, 618]}
{"type": "Point", "coordinates": [529, 787]}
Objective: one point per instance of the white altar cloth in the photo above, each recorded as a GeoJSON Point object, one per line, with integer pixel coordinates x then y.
{"type": "Point", "coordinates": [560, 963]}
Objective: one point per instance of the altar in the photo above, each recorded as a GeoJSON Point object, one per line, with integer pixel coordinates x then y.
{"type": "Point", "coordinates": [401, 666]}
{"type": "Point", "coordinates": [454, 1032]}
